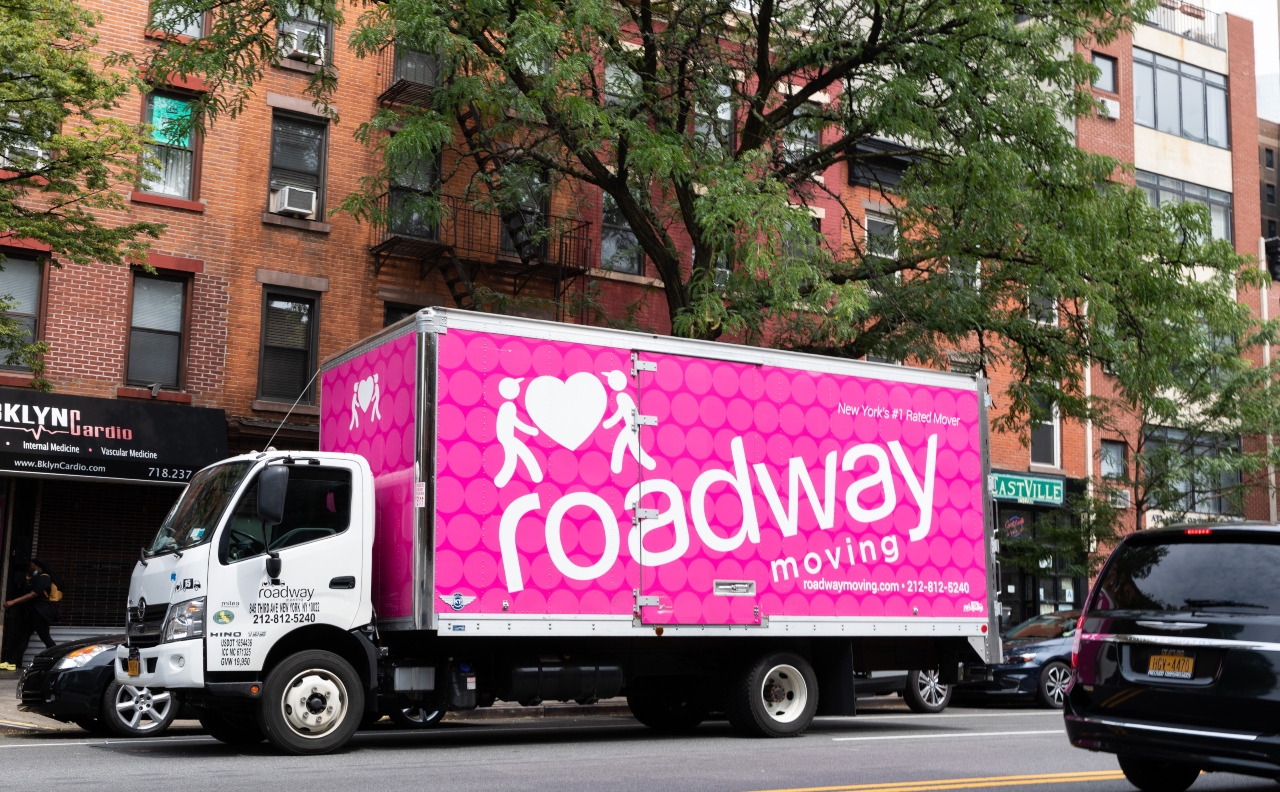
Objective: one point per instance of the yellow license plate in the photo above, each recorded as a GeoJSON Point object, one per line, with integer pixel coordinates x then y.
{"type": "Point", "coordinates": [133, 667]}
{"type": "Point", "coordinates": [1171, 666]}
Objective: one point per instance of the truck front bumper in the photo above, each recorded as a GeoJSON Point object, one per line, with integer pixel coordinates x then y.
{"type": "Point", "coordinates": [170, 665]}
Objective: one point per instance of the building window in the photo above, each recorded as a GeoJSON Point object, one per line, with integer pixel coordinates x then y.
{"type": "Point", "coordinates": [621, 85]}
{"type": "Point", "coordinates": [619, 249]}
{"type": "Point", "coordinates": [412, 180]}
{"type": "Point", "coordinates": [1042, 308]}
{"type": "Point", "coordinates": [530, 194]}
{"type": "Point", "coordinates": [174, 23]}
{"type": "Point", "coordinates": [173, 171]}
{"type": "Point", "coordinates": [297, 166]}
{"type": "Point", "coordinates": [288, 357]}
{"type": "Point", "coordinates": [1045, 425]}
{"type": "Point", "coordinates": [965, 272]}
{"type": "Point", "coordinates": [1270, 157]}
{"type": "Point", "coordinates": [1271, 194]}
{"type": "Point", "coordinates": [1106, 79]}
{"type": "Point", "coordinates": [20, 287]}
{"type": "Point", "coordinates": [882, 238]}
{"type": "Point", "coordinates": [1174, 454]}
{"type": "Point", "coordinates": [1179, 98]}
{"type": "Point", "coordinates": [394, 312]}
{"type": "Point", "coordinates": [155, 331]}
{"type": "Point", "coordinates": [713, 122]}
{"type": "Point", "coordinates": [1162, 189]}
{"type": "Point", "coordinates": [303, 37]}
{"type": "Point", "coordinates": [1115, 459]}
{"type": "Point", "coordinates": [1271, 228]}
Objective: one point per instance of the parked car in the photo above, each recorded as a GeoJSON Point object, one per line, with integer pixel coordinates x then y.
{"type": "Point", "coordinates": [921, 690]}
{"type": "Point", "coordinates": [75, 683]}
{"type": "Point", "coordinates": [1037, 663]}
{"type": "Point", "coordinates": [1176, 659]}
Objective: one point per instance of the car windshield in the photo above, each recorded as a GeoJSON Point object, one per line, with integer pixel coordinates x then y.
{"type": "Point", "coordinates": [193, 518]}
{"type": "Point", "coordinates": [1220, 572]}
{"type": "Point", "coordinates": [1049, 625]}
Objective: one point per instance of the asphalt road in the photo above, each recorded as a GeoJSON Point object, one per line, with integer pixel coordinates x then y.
{"type": "Point", "coordinates": [883, 750]}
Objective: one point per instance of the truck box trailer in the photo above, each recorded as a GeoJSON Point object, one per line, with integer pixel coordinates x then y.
{"type": "Point", "coordinates": [517, 510]}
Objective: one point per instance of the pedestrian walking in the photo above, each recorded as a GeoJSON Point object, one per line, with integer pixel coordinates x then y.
{"type": "Point", "coordinates": [36, 610]}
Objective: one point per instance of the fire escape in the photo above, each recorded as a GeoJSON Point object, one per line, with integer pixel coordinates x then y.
{"type": "Point", "coordinates": [508, 251]}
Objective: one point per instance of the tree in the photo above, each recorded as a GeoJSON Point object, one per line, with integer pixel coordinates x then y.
{"type": "Point", "coordinates": [63, 157]}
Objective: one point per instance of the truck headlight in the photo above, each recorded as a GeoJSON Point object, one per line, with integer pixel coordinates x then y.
{"type": "Point", "coordinates": [184, 620]}
{"type": "Point", "coordinates": [82, 656]}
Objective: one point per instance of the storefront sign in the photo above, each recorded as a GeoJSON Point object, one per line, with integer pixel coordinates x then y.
{"type": "Point", "coordinates": [1022, 488]}
{"type": "Point", "coordinates": [48, 434]}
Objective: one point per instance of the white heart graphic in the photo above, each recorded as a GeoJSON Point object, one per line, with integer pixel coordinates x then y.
{"type": "Point", "coordinates": [567, 411]}
{"type": "Point", "coordinates": [364, 392]}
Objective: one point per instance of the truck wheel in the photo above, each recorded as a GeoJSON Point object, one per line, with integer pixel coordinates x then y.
{"type": "Point", "coordinates": [1158, 776]}
{"type": "Point", "coordinates": [311, 703]}
{"type": "Point", "coordinates": [416, 716]}
{"type": "Point", "coordinates": [232, 728]}
{"type": "Point", "coordinates": [924, 693]}
{"type": "Point", "coordinates": [774, 696]}
{"type": "Point", "coordinates": [130, 711]}
{"type": "Point", "coordinates": [667, 706]}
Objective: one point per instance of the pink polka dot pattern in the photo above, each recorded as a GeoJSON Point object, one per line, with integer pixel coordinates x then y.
{"type": "Point", "coordinates": [384, 437]}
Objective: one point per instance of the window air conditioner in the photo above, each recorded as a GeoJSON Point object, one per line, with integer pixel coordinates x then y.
{"type": "Point", "coordinates": [295, 201]}
{"type": "Point", "coordinates": [302, 42]}
{"type": "Point", "coordinates": [1120, 498]}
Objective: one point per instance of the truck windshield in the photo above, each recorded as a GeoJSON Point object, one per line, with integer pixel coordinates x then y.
{"type": "Point", "coordinates": [193, 518]}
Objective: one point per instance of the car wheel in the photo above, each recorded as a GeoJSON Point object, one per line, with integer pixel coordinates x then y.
{"type": "Point", "coordinates": [416, 716]}
{"type": "Point", "coordinates": [1155, 776]}
{"type": "Point", "coordinates": [232, 728]}
{"type": "Point", "coordinates": [311, 703]}
{"type": "Point", "coordinates": [925, 692]}
{"type": "Point", "coordinates": [774, 696]}
{"type": "Point", "coordinates": [132, 711]}
{"type": "Point", "coordinates": [673, 706]}
{"type": "Point", "coordinates": [1052, 690]}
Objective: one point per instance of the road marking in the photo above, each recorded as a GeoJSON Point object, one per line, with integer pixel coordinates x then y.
{"type": "Point", "coordinates": [869, 716]}
{"type": "Point", "coordinates": [968, 783]}
{"type": "Point", "coordinates": [115, 742]}
{"type": "Point", "coordinates": [947, 734]}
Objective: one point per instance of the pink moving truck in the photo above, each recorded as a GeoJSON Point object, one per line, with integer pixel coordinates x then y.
{"type": "Point", "coordinates": [517, 510]}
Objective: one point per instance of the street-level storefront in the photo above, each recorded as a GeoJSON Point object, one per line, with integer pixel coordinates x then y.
{"type": "Point", "coordinates": [84, 485]}
{"type": "Point", "coordinates": [1023, 502]}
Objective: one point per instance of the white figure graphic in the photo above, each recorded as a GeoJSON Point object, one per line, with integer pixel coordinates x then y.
{"type": "Point", "coordinates": [513, 448]}
{"type": "Point", "coordinates": [629, 437]}
{"type": "Point", "coordinates": [365, 393]}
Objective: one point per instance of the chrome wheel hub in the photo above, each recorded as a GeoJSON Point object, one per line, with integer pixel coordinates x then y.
{"type": "Point", "coordinates": [314, 703]}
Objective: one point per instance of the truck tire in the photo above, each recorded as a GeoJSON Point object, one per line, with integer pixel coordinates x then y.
{"type": "Point", "coordinates": [673, 706]}
{"type": "Point", "coordinates": [416, 716]}
{"type": "Point", "coordinates": [776, 695]}
{"type": "Point", "coordinates": [232, 728]}
{"type": "Point", "coordinates": [1151, 775]}
{"type": "Point", "coordinates": [137, 711]}
{"type": "Point", "coordinates": [312, 703]}
{"type": "Point", "coordinates": [924, 693]}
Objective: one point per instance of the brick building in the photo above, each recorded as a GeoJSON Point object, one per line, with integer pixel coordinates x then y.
{"type": "Point", "coordinates": [1268, 148]}
{"type": "Point", "coordinates": [254, 282]}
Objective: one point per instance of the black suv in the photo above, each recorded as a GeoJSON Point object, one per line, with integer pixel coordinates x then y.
{"type": "Point", "coordinates": [1177, 658]}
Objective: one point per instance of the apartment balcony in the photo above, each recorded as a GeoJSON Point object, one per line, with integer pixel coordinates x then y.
{"type": "Point", "coordinates": [472, 247]}
{"type": "Point", "coordinates": [1191, 21]}
{"type": "Point", "coordinates": [408, 77]}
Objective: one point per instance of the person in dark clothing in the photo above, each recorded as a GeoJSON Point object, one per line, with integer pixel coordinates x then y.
{"type": "Point", "coordinates": [38, 612]}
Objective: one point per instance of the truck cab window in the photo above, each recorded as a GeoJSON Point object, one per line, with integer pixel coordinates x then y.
{"type": "Point", "coordinates": [317, 505]}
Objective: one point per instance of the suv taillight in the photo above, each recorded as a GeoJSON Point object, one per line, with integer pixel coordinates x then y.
{"type": "Point", "coordinates": [1075, 643]}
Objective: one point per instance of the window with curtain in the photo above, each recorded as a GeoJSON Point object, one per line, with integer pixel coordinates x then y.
{"type": "Point", "coordinates": [1044, 434]}
{"type": "Point", "coordinates": [619, 249]}
{"type": "Point", "coordinates": [173, 22]}
{"type": "Point", "coordinates": [1179, 98]}
{"type": "Point", "coordinates": [1115, 459]}
{"type": "Point", "coordinates": [173, 171]}
{"type": "Point", "coordinates": [20, 287]}
{"type": "Point", "coordinates": [298, 156]}
{"type": "Point", "coordinates": [288, 347]}
{"type": "Point", "coordinates": [155, 331]}
{"type": "Point", "coordinates": [1163, 189]}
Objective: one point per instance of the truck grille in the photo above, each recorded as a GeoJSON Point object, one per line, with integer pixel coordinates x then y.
{"type": "Point", "coordinates": [145, 628]}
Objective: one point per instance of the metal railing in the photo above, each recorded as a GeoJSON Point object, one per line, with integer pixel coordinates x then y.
{"type": "Point", "coordinates": [1190, 21]}
{"type": "Point", "coordinates": [408, 77]}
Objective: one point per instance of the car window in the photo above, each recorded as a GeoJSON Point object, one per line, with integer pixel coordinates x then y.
{"type": "Point", "coordinates": [1177, 572]}
{"type": "Point", "coordinates": [317, 505]}
{"type": "Point", "coordinates": [1046, 626]}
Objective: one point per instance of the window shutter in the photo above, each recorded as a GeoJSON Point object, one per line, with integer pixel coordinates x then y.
{"type": "Point", "coordinates": [157, 304]}
{"type": "Point", "coordinates": [20, 283]}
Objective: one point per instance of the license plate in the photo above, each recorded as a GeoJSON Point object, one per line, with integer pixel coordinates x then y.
{"type": "Point", "coordinates": [133, 665]}
{"type": "Point", "coordinates": [1171, 665]}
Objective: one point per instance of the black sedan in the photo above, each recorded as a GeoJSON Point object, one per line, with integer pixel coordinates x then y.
{"type": "Point", "coordinates": [75, 683]}
{"type": "Point", "coordinates": [1037, 663]}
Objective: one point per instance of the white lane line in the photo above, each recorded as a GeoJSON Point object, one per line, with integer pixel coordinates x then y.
{"type": "Point", "coordinates": [947, 734]}
{"type": "Point", "coordinates": [924, 717]}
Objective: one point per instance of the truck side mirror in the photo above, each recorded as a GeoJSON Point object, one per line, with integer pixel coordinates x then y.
{"type": "Point", "coordinates": [273, 483]}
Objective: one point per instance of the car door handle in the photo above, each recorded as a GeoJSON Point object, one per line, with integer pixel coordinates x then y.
{"type": "Point", "coordinates": [344, 582]}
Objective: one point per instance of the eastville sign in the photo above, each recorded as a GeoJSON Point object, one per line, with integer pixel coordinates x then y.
{"type": "Point", "coordinates": [1027, 489]}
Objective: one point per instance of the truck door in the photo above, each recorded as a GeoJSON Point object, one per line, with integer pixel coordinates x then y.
{"type": "Point", "coordinates": [697, 419]}
{"type": "Point", "coordinates": [320, 545]}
